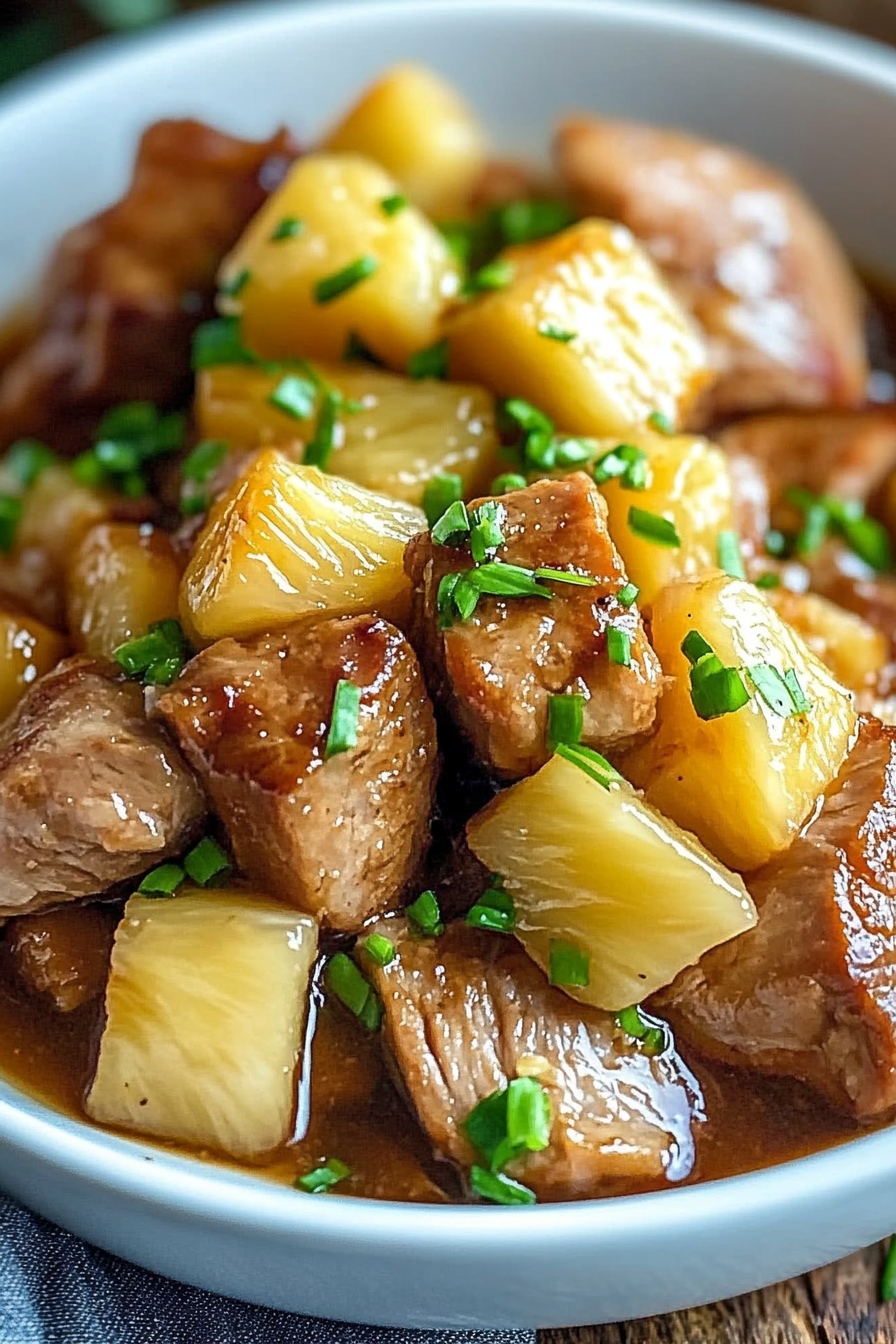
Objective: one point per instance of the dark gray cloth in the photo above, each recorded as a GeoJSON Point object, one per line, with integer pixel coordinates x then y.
{"type": "Point", "coordinates": [55, 1289]}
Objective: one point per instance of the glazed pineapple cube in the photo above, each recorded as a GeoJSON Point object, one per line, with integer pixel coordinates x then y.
{"type": "Point", "coordinates": [349, 268]}
{"type": "Point", "coordinates": [854, 651]}
{"type": "Point", "coordinates": [287, 542]}
{"type": "Point", "coordinates": [205, 1011]}
{"type": "Point", "coordinates": [123, 578]}
{"type": "Point", "coordinates": [413, 123]}
{"type": "Point", "coordinates": [604, 882]}
{"type": "Point", "coordinates": [28, 649]}
{"type": "Point", "coordinates": [744, 781]}
{"type": "Point", "coordinates": [633, 350]}
{"type": "Point", "coordinates": [405, 432]}
{"type": "Point", "coordinates": [687, 482]}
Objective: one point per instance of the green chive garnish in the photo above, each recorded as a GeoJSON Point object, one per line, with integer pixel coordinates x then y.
{"type": "Point", "coordinates": [393, 205]}
{"type": "Point", "coordinates": [162, 881]}
{"type": "Point", "coordinates": [231, 288]}
{"type": "Point", "coordinates": [294, 396]}
{"type": "Point", "coordinates": [453, 528]}
{"type": "Point", "coordinates": [694, 647]}
{"type": "Point", "coordinates": [219, 342]}
{"type": "Point", "coordinates": [343, 734]}
{"type": "Point", "coordinates": [591, 763]}
{"type": "Point", "coordinates": [494, 910]}
{"type": "Point", "coordinates": [289, 227]}
{"type": "Point", "coordinates": [425, 915]}
{"type": "Point", "coordinates": [768, 580]}
{"type": "Point", "coordinates": [729, 553]}
{"type": "Point", "coordinates": [441, 492]}
{"type": "Point", "coordinates": [431, 362]}
{"type": "Point", "coordinates": [554, 333]}
{"type": "Point", "coordinates": [652, 1038]}
{"type": "Point", "coordinates": [493, 275]}
{"type": "Point", "coordinates": [661, 422]}
{"type": "Point", "coordinates": [716, 690]}
{"type": "Point", "coordinates": [499, 1189]}
{"type": "Point", "coordinates": [528, 1115]}
{"type": "Point", "coordinates": [801, 703]}
{"type": "Point", "coordinates": [379, 949]}
{"type": "Point", "coordinates": [776, 543]}
{"type": "Point", "coordinates": [485, 530]}
{"type": "Point", "coordinates": [156, 657]}
{"type": "Point", "coordinates": [652, 527]}
{"type": "Point", "coordinates": [568, 964]}
{"type": "Point", "coordinates": [528, 221]}
{"type": "Point", "coordinates": [628, 594]}
{"type": "Point", "coordinates": [625, 462]}
{"type": "Point", "coordinates": [197, 469]}
{"type": "Point", "coordinates": [508, 481]}
{"type": "Point", "coordinates": [619, 646]}
{"type": "Point", "coordinates": [566, 719]}
{"type": "Point", "coordinates": [318, 449]}
{"type": "Point", "coordinates": [351, 988]}
{"type": "Point", "coordinates": [888, 1276]}
{"type": "Point", "coordinates": [333, 286]}
{"type": "Point", "coordinates": [500, 579]}
{"type": "Point", "coordinates": [206, 862]}
{"type": "Point", "coordinates": [25, 460]}
{"type": "Point", "coordinates": [565, 576]}
{"type": "Point", "coordinates": [323, 1178]}
{"type": "Point", "coordinates": [10, 516]}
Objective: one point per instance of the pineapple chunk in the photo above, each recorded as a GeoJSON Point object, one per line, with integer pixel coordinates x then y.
{"type": "Point", "coordinates": [123, 578]}
{"type": "Point", "coordinates": [413, 123]}
{"type": "Point", "coordinates": [205, 1010]}
{"type": "Point", "coordinates": [598, 867]}
{"type": "Point", "coordinates": [394, 310]}
{"type": "Point", "coordinates": [635, 351]}
{"type": "Point", "coordinates": [744, 782]}
{"type": "Point", "coordinates": [57, 512]}
{"type": "Point", "coordinates": [406, 432]}
{"type": "Point", "coordinates": [28, 649]}
{"type": "Point", "coordinates": [855, 652]}
{"type": "Point", "coordinates": [286, 542]}
{"type": "Point", "coordinates": [688, 482]}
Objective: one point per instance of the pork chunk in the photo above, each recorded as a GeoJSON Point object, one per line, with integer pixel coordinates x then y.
{"type": "Point", "coordinates": [91, 794]}
{"type": "Point", "coordinates": [339, 838]}
{"type": "Point", "coordinates": [468, 1012]}
{"type": "Point", "coordinates": [496, 672]}
{"type": "Point", "coordinates": [61, 955]}
{"type": "Point", "coordinates": [742, 247]}
{"type": "Point", "coordinates": [124, 290]}
{"type": "Point", "coordinates": [810, 993]}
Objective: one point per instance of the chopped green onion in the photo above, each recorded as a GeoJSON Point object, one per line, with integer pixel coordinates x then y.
{"type": "Point", "coordinates": [506, 482]}
{"type": "Point", "coordinates": [717, 690]}
{"type": "Point", "coordinates": [294, 396]}
{"type": "Point", "coordinates": [626, 463]}
{"type": "Point", "coordinates": [486, 1125]}
{"type": "Point", "coordinates": [568, 964]}
{"type": "Point", "coordinates": [652, 1038]}
{"type": "Point", "coordinates": [816, 519]}
{"type": "Point", "coordinates": [379, 949]}
{"type": "Point", "coordinates": [197, 469]}
{"type": "Point", "coordinates": [323, 1178]}
{"type": "Point", "coordinates": [453, 528]}
{"type": "Point", "coordinates": [565, 576]}
{"type": "Point", "coordinates": [25, 460]}
{"type": "Point", "coordinates": [446, 608]}
{"type": "Point", "coordinates": [619, 646]}
{"type": "Point", "coordinates": [393, 205]}
{"type": "Point", "coordinates": [888, 1275]}
{"type": "Point", "coordinates": [87, 470]}
{"type": "Point", "coordinates": [590, 763]}
{"type": "Point", "coordinates": [118, 458]}
{"type": "Point", "coordinates": [356, 349]}
{"type": "Point", "coordinates": [493, 275]}
{"type": "Point", "coordinates": [162, 881]}
{"type": "Point", "coordinates": [10, 516]}
{"type": "Point", "coordinates": [289, 227]}
{"type": "Point", "coordinates": [528, 1115]}
{"type": "Point", "coordinates": [333, 286]}
{"type": "Point", "coordinates": [354, 991]}
{"type": "Point", "coordinates": [499, 579]}
{"type": "Point", "coordinates": [776, 543]}
{"type": "Point", "coordinates": [495, 910]}
{"type": "Point", "coordinates": [869, 540]}
{"type": "Point", "coordinates": [343, 734]}
{"type": "Point", "coordinates": [526, 416]}
{"type": "Point", "coordinates": [566, 719]}
{"type": "Point", "coordinates": [231, 288]}
{"type": "Point", "coordinates": [528, 221]}
{"type": "Point", "coordinates": [155, 657]}
{"type": "Point", "coordinates": [628, 594]}
{"type": "Point", "coordinates": [652, 527]}
{"type": "Point", "coordinates": [318, 449]}
{"type": "Point", "coordinates": [661, 422]}
{"type": "Point", "coordinates": [768, 580]}
{"type": "Point", "coordinates": [441, 492]}
{"type": "Point", "coordinates": [773, 688]}
{"type": "Point", "coordinates": [499, 1189]}
{"type": "Point", "coordinates": [801, 702]}
{"type": "Point", "coordinates": [729, 553]}
{"type": "Point", "coordinates": [694, 647]}
{"type": "Point", "coordinates": [485, 530]}
{"type": "Point", "coordinates": [431, 362]}
{"type": "Point", "coordinates": [219, 342]}
{"type": "Point", "coordinates": [463, 239]}
{"type": "Point", "coordinates": [207, 861]}
{"type": "Point", "coordinates": [554, 333]}
{"type": "Point", "coordinates": [425, 915]}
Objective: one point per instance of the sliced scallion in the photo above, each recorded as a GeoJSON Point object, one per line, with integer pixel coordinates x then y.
{"type": "Point", "coordinates": [566, 719]}
{"type": "Point", "coordinates": [343, 733]}
{"type": "Point", "coordinates": [430, 363]}
{"type": "Point", "coordinates": [294, 396]}
{"type": "Point", "coordinates": [441, 492]}
{"type": "Point", "coordinates": [729, 554]}
{"type": "Point", "coordinates": [628, 594]}
{"type": "Point", "coordinates": [379, 949]}
{"type": "Point", "coordinates": [619, 646]}
{"type": "Point", "coordinates": [334, 286]}
{"type": "Point", "coordinates": [288, 227]}
{"type": "Point", "coordinates": [507, 482]}
{"type": "Point", "coordinates": [207, 862]}
{"type": "Point", "coordinates": [453, 528]}
{"type": "Point", "coordinates": [425, 915]}
{"type": "Point", "coordinates": [323, 1178]}
{"type": "Point", "coordinates": [162, 881]}
{"type": "Point", "coordinates": [352, 989]}
{"type": "Point", "coordinates": [568, 964]}
{"type": "Point", "coordinates": [653, 527]}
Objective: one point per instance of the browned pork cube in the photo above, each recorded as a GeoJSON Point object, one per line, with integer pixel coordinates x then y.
{"type": "Point", "coordinates": [61, 955]}
{"type": "Point", "coordinates": [496, 671]}
{"type": "Point", "coordinates": [742, 247]}
{"type": "Point", "coordinates": [91, 794]}
{"type": "Point", "coordinates": [467, 1013]}
{"type": "Point", "coordinates": [337, 836]}
{"type": "Point", "coordinates": [810, 993]}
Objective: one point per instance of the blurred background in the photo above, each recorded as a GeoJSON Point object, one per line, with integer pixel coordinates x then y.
{"type": "Point", "coordinates": [31, 31]}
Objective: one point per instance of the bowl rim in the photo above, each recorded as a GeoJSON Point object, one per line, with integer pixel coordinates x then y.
{"type": "Point", "coordinates": [157, 1177]}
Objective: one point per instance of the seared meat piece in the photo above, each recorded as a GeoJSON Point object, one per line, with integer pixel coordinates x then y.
{"type": "Point", "coordinates": [496, 671]}
{"type": "Point", "coordinates": [340, 838]}
{"type": "Point", "coordinates": [90, 793]}
{"type": "Point", "coordinates": [742, 247]}
{"type": "Point", "coordinates": [810, 993]}
{"type": "Point", "coordinates": [468, 1012]}
{"type": "Point", "coordinates": [124, 290]}
{"type": "Point", "coordinates": [62, 955]}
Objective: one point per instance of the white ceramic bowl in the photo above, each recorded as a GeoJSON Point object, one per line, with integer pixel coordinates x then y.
{"type": "Point", "coordinates": [822, 105]}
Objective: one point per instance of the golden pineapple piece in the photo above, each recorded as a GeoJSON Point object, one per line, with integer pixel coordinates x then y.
{"type": "Point", "coordinates": [400, 271]}
{"type": "Point", "coordinates": [746, 781]}
{"type": "Point", "coordinates": [854, 651]}
{"type": "Point", "coordinates": [57, 511]}
{"type": "Point", "coordinates": [124, 577]}
{"type": "Point", "coordinates": [406, 432]}
{"type": "Point", "coordinates": [634, 350]}
{"type": "Point", "coordinates": [688, 482]}
{"type": "Point", "coordinates": [287, 542]}
{"type": "Point", "coordinates": [413, 123]}
{"type": "Point", "coordinates": [28, 649]}
{"type": "Point", "coordinates": [205, 1011]}
{"type": "Point", "coordinates": [594, 867]}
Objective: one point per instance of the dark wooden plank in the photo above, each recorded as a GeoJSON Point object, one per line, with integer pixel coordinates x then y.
{"type": "Point", "coordinates": [835, 1305]}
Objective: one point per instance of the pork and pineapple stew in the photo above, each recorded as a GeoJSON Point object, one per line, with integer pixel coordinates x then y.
{"type": "Point", "coordinates": [448, 661]}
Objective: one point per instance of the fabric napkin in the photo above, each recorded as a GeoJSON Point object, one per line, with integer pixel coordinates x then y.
{"type": "Point", "coordinates": [55, 1289]}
